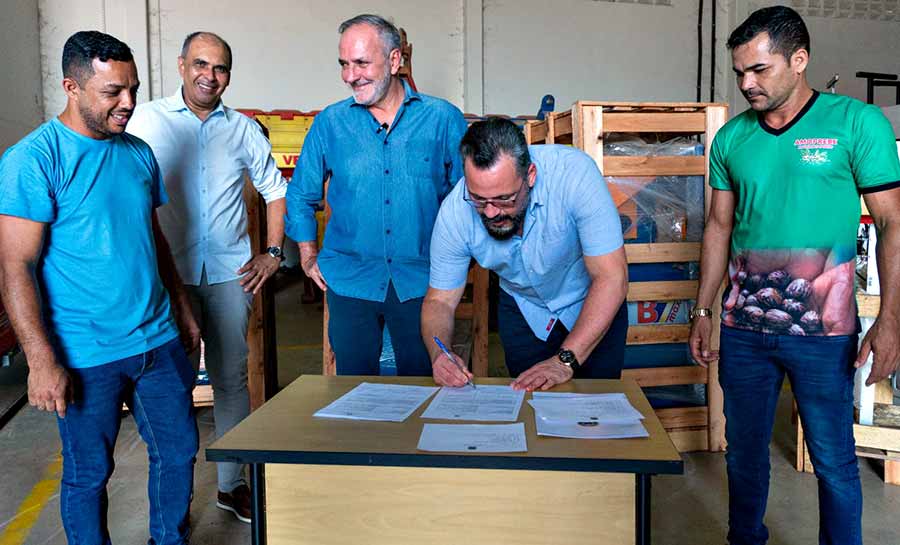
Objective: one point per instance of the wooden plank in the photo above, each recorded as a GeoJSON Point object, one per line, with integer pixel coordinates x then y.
{"type": "Point", "coordinates": [875, 437]}
{"type": "Point", "coordinates": [536, 132]}
{"type": "Point", "coordinates": [663, 252]}
{"type": "Point", "coordinates": [344, 505]}
{"type": "Point", "coordinates": [891, 472]}
{"type": "Point", "coordinates": [683, 417]}
{"type": "Point", "coordinates": [645, 165]}
{"type": "Point", "coordinates": [587, 131]}
{"type": "Point", "coordinates": [464, 311]}
{"type": "Point", "coordinates": [203, 395]}
{"type": "Point", "coordinates": [667, 376]}
{"type": "Point", "coordinates": [563, 124]}
{"type": "Point", "coordinates": [681, 122]}
{"type": "Point", "coordinates": [658, 334]}
{"type": "Point", "coordinates": [480, 318]}
{"type": "Point", "coordinates": [690, 440]}
{"type": "Point", "coordinates": [716, 117]}
{"type": "Point", "coordinates": [329, 367]}
{"type": "Point", "coordinates": [551, 128]}
{"type": "Point", "coordinates": [662, 291]}
{"type": "Point", "coordinates": [868, 305]}
{"type": "Point", "coordinates": [657, 105]}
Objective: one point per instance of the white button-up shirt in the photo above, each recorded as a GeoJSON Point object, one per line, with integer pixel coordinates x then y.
{"type": "Point", "coordinates": [203, 165]}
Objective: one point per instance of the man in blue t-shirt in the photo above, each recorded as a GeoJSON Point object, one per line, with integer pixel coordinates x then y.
{"type": "Point", "coordinates": [84, 273]}
{"type": "Point", "coordinates": [542, 218]}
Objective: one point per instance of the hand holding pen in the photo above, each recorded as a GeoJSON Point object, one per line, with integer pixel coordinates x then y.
{"type": "Point", "coordinates": [442, 377]}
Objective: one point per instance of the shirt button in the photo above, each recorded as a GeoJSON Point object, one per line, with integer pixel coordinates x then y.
{"type": "Point", "coordinates": [386, 171]}
{"type": "Point", "coordinates": [385, 142]}
{"type": "Point", "coordinates": [388, 231]}
{"type": "Point", "coordinates": [387, 201]}
{"type": "Point", "coordinates": [389, 260]}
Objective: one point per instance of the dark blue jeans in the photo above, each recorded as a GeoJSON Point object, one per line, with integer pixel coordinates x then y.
{"type": "Point", "coordinates": [752, 367]}
{"type": "Point", "coordinates": [157, 387]}
{"type": "Point", "coordinates": [355, 332]}
{"type": "Point", "coordinates": [522, 348]}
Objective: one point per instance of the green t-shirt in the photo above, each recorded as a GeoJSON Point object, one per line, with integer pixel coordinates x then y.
{"type": "Point", "coordinates": [796, 190]}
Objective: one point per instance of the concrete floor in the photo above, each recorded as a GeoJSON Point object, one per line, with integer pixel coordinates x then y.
{"type": "Point", "coordinates": [687, 509]}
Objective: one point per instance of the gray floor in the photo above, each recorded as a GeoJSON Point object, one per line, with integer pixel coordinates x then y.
{"type": "Point", "coordinates": [687, 509]}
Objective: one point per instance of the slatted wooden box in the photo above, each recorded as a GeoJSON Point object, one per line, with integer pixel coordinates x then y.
{"type": "Point", "coordinates": [585, 126]}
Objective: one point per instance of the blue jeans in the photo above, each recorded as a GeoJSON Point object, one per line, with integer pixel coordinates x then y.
{"type": "Point", "coordinates": [355, 332]}
{"type": "Point", "coordinates": [522, 349]}
{"type": "Point", "coordinates": [751, 370]}
{"type": "Point", "coordinates": [157, 386]}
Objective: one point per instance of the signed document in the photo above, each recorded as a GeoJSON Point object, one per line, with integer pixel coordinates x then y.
{"type": "Point", "coordinates": [473, 438]}
{"type": "Point", "coordinates": [384, 402]}
{"type": "Point", "coordinates": [486, 403]}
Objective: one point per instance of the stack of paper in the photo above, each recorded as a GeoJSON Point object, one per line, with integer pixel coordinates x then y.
{"type": "Point", "coordinates": [385, 402]}
{"type": "Point", "coordinates": [586, 416]}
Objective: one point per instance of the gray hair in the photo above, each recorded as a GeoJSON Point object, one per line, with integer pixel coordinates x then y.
{"type": "Point", "coordinates": [389, 34]}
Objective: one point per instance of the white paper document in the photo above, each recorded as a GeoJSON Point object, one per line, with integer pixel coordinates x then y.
{"type": "Point", "coordinates": [586, 416]}
{"type": "Point", "coordinates": [473, 438]}
{"type": "Point", "coordinates": [384, 402]}
{"type": "Point", "coordinates": [609, 408]}
{"type": "Point", "coordinates": [590, 430]}
{"type": "Point", "coordinates": [484, 403]}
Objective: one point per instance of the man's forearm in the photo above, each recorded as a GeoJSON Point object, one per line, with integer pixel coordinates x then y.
{"type": "Point", "coordinates": [713, 262]}
{"type": "Point", "coordinates": [275, 211]}
{"type": "Point", "coordinates": [888, 259]}
{"type": "Point", "coordinates": [21, 299]}
{"type": "Point", "coordinates": [437, 321]}
{"type": "Point", "coordinates": [597, 313]}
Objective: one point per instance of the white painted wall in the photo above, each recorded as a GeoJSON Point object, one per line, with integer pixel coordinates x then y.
{"type": "Point", "coordinates": [21, 109]}
{"type": "Point", "coordinates": [500, 54]}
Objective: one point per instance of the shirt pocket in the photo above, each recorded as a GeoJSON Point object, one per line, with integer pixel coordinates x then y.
{"type": "Point", "coordinates": [424, 159]}
{"type": "Point", "coordinates": [557, 252]}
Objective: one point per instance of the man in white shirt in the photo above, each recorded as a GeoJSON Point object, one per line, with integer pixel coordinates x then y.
{"type": "Point", "coordinates": [204, 150]}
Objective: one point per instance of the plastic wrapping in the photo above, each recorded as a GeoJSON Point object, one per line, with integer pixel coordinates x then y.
{"type": "Point", "coordinates": [657, 208]}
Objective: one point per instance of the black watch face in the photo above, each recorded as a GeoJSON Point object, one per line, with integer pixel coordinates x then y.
{"type": "Point", "coordinates": [566, 356]}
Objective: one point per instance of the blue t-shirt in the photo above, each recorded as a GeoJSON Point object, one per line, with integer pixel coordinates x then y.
{"type": "Point", "coordinates": [102, 296]}
{"type": "Point", "coordinates": [570, 215]}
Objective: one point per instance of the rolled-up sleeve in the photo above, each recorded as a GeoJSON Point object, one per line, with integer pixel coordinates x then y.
{"type": "Point", "coordinates": [264, 173]}
{"type": "Point", "coordinates": [307, 186]}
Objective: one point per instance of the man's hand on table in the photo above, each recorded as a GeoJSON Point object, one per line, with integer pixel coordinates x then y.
{"type": "Point", "coordinates": [543, 376]}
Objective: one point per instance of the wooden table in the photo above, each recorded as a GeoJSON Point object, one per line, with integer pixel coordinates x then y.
{"type": "Point", "coordinates": [328, 481]}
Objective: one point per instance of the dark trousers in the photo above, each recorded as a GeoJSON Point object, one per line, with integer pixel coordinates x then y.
{"type": "Point", "coordinates": [752, 367]}
{"type": "Point", "coordinates": [523, 349]}
{"type": "Point", "coordinates": [156, 386]}
{"type": "Point", "coordinates": [355, 328]}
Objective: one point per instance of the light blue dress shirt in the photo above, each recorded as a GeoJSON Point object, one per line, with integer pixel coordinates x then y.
{"type": "Point", "coordinates": [203, 165]}
{"type": "Point", "coordinates": [384, 192]}
{"type": "Point", "coordinates": [570, 214]}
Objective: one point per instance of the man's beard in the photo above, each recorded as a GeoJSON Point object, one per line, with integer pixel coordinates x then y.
{"type": "Point", "coordinates": [95, 122]}
{"type": "Point", "coordinates": [505, 232]}
{"type": "Point", "coordinates": [379, 90]}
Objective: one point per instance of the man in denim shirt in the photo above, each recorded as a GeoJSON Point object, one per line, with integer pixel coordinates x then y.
{"type": "Point", "coordinates": [542, 218]}
{"type": "Point", "coordinates": [391, 156]}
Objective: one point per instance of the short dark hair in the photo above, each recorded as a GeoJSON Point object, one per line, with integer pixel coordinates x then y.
{"type": "Point", "coordinates": [786, 29]}
{"type": "Point", "coordinates": [83, 47]}
{"type": "Point", "coordinates": [389, 34]}
{"type": "Point", "coordinates": [486, 140]}
{"type": "Point", "coordinates": [186, 45]}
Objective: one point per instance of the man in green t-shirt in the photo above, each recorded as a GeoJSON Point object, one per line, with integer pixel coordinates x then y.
{"type": "Point", "coordinates": [786, 177]}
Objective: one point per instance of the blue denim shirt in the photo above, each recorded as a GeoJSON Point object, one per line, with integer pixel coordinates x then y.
{"type": "Point", "coordinates": [385, 189]}
{"type": "Point", "coordinates": [570, 215]}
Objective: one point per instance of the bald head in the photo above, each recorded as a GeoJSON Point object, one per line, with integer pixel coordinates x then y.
{"type": "Point", "coordinates": [207, 36]}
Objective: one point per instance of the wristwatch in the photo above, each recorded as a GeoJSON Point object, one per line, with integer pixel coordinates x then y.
{"type": "Point", "coordinates": [275, 251]}
{"type": "Point", "coordinates": [700, 311]}
{"type": "Point", "coordinates": [567, 358]}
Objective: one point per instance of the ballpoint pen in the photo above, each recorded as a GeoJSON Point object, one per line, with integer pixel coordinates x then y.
{"type": "Point", "coordinates": [452, 359]}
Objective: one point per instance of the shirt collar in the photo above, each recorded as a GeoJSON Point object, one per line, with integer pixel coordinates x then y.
{"type": "Point", "coordinates": [175, 103]}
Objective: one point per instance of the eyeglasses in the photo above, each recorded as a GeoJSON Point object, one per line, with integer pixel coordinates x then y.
{"type": "Point", "coordinates": [504, 204]}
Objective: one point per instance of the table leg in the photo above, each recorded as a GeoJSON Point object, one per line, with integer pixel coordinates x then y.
{"type": "Point", "coordinates": [258, 504]}
{"type": "Point", "coordinates": [642, 509]}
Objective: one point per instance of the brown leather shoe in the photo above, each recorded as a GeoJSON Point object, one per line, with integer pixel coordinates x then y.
{"type": "Point", "coordinates": [237, 501]}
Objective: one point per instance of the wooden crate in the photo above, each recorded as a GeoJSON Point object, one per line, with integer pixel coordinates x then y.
{"type": "Point", "coordinates": [585, 126]}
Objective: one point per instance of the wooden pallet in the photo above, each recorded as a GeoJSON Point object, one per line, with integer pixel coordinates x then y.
{"type": "Point", "coordinates": [585, 126]}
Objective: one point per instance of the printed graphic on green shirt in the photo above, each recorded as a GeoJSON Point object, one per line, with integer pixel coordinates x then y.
{"type": "Point", "coordinates": [793, 292]}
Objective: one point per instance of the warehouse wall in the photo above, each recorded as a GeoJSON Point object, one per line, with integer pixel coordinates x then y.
{"type": "Point", "coordinates": [20, 63]}
{"type": "Point", "coordinates": [497, 56]}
